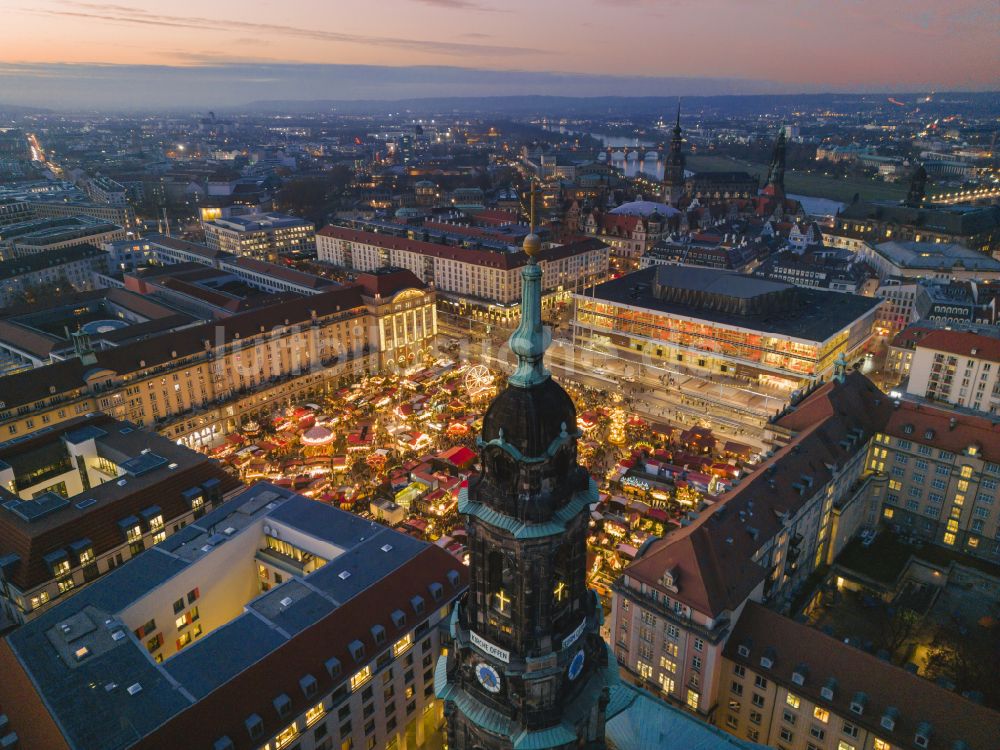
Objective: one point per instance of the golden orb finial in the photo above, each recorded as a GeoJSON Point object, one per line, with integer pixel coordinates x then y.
{"type": "Point", "coordinates": [532, 244]}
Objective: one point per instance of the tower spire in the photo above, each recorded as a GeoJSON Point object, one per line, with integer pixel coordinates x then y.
{"type": "Point", "coordinates": [530, 340]}
{"type": "Point", "coordinates": [776, 172]}
{"type": "Point", "coordinates": [918, 188]}
{"type": "Point", "coordinates": [673, 167]}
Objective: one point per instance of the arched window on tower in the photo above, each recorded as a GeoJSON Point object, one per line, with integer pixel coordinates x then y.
{"type": "Point", "coordinates": [501, 576]}
{"type": "Point", "coordinates": [561, 580]}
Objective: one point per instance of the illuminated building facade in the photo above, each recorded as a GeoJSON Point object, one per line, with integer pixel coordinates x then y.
{"type": "Point", "coordinates": [272, 622]}
{"type": "Point", "coordinates": [961, 368]}
{"type": "Point", "coordinates": [940, 472]}
{"type": "Point", "coordinates": [79, 501]}
{"type": "Point", "coordinates": [261, 236]}
{"type": "Point", "coordinates": [791, 686]}
{"type": "Point", "coordinates": [475, 282]}
{"type": "Point", "coordinates": [199, 383]}
{"type": "Point", "coordinates": [770, 332]}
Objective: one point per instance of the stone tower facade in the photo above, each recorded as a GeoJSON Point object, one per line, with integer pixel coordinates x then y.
{"type": "Point", "coordinates": [528, 667]}
{"type": "Point", "coordinates": [673, 168]}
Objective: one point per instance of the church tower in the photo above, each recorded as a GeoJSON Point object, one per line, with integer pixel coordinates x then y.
{"type": "Point", "coordinates": [527, 667]}
{"type": "Point", "coordinates": [673, 168]}
{"type": "Point", "coordinates": [918, 188]}
{"type": "Point", "coordinates": [776, 172]}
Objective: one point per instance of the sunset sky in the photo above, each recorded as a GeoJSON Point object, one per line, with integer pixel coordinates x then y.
{"type": "Point", "coordinates": [796, 44]}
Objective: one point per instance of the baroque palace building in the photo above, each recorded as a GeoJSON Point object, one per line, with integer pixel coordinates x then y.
{"type": "Point", "coordinates": [198, 383]}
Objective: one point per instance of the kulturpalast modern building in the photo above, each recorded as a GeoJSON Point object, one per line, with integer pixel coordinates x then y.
{"type": "Point", "coordinates": [272, 622]}
{"type": "Point", "coordinates": [771, 332]}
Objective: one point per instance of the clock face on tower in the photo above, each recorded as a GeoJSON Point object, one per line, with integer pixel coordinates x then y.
{"type": "Point", "coordinates": [488, 677]}
{"type": "Point", "coordinates": [575, 666]}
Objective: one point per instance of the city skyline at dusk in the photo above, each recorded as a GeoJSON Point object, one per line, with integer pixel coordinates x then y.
{"type": "Point", "coordinates": [457, 375]}
{"type": "Point", "coordinates": [630, 48]}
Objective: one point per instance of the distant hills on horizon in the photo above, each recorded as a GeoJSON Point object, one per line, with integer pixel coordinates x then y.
{"type": "Point", "coordinates": [576, 106]}
{"type": "Point", "coordinates": [370, 88]}
{"type": "Point", "coordinates": [591, 106]}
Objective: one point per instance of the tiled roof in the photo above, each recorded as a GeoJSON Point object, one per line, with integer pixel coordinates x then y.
{"type": "Point", "coordinates": [284, 273]}
{"type": "Point", "coordinates": [712, 556]}
{"type": "Point", "coordinates": [917, 700]}
{"type": "Point", "coordinates": [963, 343]}
{"type": "Point", "coordinates": [388, 282]}
{"type": "Point", "coordinates": [948, 430]}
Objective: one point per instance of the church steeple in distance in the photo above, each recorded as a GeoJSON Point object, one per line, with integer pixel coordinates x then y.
{"type": "Point", "coordinates": [528, 667]}
{"type": "Point", "coordinates": [776, 172]}
{"type": "Point", "coordinates": [918, 188]}
{"type": "Point", "coordinates": [673, 168]}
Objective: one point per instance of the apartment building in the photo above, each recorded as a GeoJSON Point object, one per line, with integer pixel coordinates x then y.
{"type": "Point", "coordinates": [687, 620]}
{"type": "Point", "coordinates": [793, 687]}
{"type": "Point", "coordinates": [477, 282]}
{"type": "Point", "coordinates": [675, 606]}
{"type": "Point", "coordinates": [69, 269]}
{"type": "Point", "coordinates": [79, 501]}
{"type": "Point", "coordinates": [261, 236]}
{"type": "Point", "coordinates": [47, 205]}
{"type": "Point", "coordinates": [197, 384]}
{"type": "Point", "coordinates": [272, 622]}
{"type": "Point", "coordinates": [105, 190]}
{"type": "Point", "coordinates": [13, 210]}
{"type": "Point", "coordinates": [898, 309]}
{"type": "Point", "coordinates": [41, 235]}
{"type": "Point", "coordinates": [944, 261]}
{"type": "Point", "coordinates": [961, 368]}
{"type": "Point", "coordinates": [941, 468]}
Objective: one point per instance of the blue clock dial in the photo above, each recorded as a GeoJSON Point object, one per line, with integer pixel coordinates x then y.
{"type": "Point", "coordinates": [576, 665]}
{"type": "Point", "coordinates": [488, 677]}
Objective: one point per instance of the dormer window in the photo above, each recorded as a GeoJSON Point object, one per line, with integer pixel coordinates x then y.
{"type": "Point", "coordinates": [800, 674]}
{"type": "Point", "coordinates": [332, 667]}
{"type": "Point", "coordinates": [828, 691]}
{"type": "Point", "coordinates": [889, 718]}
{"type": "Point", "coordinates": [58, 563]}
{"type": "Point", "coordinates": [283, 705]}
{"type": "Point", "coordinates": [398, 618]}
{"type": "Point", "coordinates": [255, 726]}
{"type": "Point", "coordinates": [923, 736]}
{"type": "Point", "coordinates": [669, 579]}
{"type": "Point", "coordinates": [743, 650]}
{"type": "Point", "coordinates": [357, 649]}
{"type": "Point", "coordinates": [436, 590]}
{"type": "Point", "coordinates": [308, 685]}
{"type": "Point", "coordinates": [767, 658]}
{"type": "Point", "coordinates": [858, 703]}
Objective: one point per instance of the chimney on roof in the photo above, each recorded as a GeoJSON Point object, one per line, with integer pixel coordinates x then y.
{"type": "Point", "coordinates": [951, 423]}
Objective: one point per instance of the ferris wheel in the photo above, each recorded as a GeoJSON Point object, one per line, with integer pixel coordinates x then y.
{"type": "Point", "coordinates": [478, 380]}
